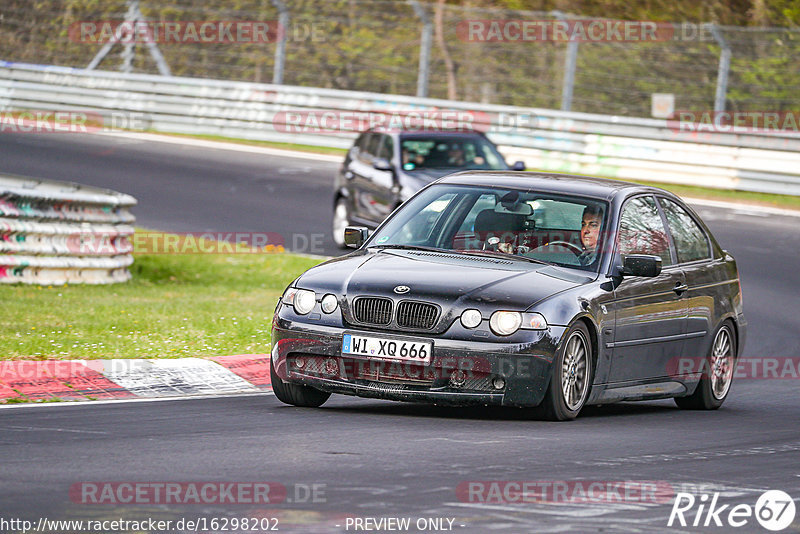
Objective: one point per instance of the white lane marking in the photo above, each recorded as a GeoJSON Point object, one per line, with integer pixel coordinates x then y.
{"type": "Point", "coordinates": [35, 428]}
{"type": "Point", "coordinates": [484, 442]}
{"type": "Point", "coordinates": [22, 406]}
{"type": "Point", "coordinates": [450, 440]}
{"type": "Point", "coordinates": [690, 456]}
{"type": "Point", "coordinates": [750, 213]}
{"type": "Point", "coordinates": [204, 143]}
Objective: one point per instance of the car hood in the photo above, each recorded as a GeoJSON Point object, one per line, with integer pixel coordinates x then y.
{"type": "Point", "coordinates": [453, 281]}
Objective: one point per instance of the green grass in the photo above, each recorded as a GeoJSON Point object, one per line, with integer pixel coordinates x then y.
{"type": "Point", "coordinates": [28, 400]}
{"type": "Point", "coordinates": [175, 306]}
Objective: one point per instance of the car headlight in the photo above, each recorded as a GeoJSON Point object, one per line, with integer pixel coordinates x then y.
{"type": "Point", "coordinates": [505, 323]}
{"type": "Point", "coordinates": [302, 300]}
{"type": "Point", "coordinates": [471, 318]}
{"type": "Point", "coordinates": [329, 303]}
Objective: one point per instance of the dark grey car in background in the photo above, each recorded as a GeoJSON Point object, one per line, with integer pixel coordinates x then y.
{"type": "Point", "coordinates": [383, 169]}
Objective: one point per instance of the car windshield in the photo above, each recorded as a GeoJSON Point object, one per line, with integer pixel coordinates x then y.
{"type": "Point", "coordinates": [450, 152]}
{"type": "Point", "coordinates": [525, 225]}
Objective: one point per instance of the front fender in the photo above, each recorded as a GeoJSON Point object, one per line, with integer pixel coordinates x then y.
{"type": "Point", "coordinates": [590, 303]}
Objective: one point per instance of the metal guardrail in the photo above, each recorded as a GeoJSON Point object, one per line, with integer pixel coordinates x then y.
{"type": "Point", "coordinates": [53, 233]}
{"type": "Point", "coordinates": [582, 143]}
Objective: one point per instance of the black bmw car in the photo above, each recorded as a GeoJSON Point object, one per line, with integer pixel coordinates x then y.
{"type": "Point", "coordinates": [518, 289]}
{"type": "Point", "coordinates": [384, 168]}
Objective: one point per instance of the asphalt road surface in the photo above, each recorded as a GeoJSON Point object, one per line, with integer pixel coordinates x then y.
{"type": "Point", "coordinates": [371, 459]}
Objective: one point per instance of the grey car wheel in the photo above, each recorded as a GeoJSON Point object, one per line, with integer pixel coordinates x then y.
{"type": "Point", "coordinates": [571, 381]}
{"type": "Point", "coordinates": [718, 369]}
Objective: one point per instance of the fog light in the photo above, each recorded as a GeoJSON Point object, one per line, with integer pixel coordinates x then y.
{"type": "Point", "coordinates": [458, 378]}
{"type": "Point", "coordinates": [471, 318]}
{"type": "Point", "coordinates": [329, 303]}
{"type": "Point", "coordinates": [331, 367]}
{"type": "Point", "coordinates": [299, 363]}
{"type": "Point", "coordinates": [499, 382]}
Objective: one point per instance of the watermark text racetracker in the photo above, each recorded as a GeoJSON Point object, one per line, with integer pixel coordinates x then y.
{"type": "Point", "coordinates": [144, 242]}
{"type": "Point", "coordinates": [741, 121]}
{"type": "Point", "coordinates": [189, 493]}
{"type": "Point", "coordinates": [746, 368]}
{"type": "Point", "coordinates": [71, 121]}
{"type": "Point", "coordinates": [304, 121]}
{"type": "Point", "coordinates": [564, 491]}
{"type": "Point", "coordinates": [192, 32]}
{"type": "Point", "coordinates": [580, 31]}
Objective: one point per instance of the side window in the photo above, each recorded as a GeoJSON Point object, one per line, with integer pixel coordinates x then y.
{"type": "Point", "coordinates": [386, 149]}
{"type": "Point", "coordinates": [374, 143]}
{"type": "Point", "coordinates": [361, 142]}
{"type": "Point", "coordinates": [363, 146]}
{"type": "Point", "coordinates": [690, 241]}
{"type": "Point", "coordinates": [641, 230]}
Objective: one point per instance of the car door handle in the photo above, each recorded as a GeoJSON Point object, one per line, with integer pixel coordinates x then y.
{"type": "Point", "coordinates": [680, 288]}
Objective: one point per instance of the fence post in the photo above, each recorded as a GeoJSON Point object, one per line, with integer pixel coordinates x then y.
{"type": "Point", "coordinates": [424, 48]}
{"type": "Point", "coordinates": [133, 16]}
{"type": "Point", "coordinates": [280, 50]}
{"type": "Point", "coordinates": [723, 70]}
{"type": "Point", "coordinates": [570, 64]}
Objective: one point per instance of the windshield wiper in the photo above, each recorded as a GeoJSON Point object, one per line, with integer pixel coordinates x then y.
{"type": "Point", "coordinates": [496, 254]}
{"type": "Point", "coordinates": [410, 247]}
{"type": "Point", "coordinates": [475, 252]}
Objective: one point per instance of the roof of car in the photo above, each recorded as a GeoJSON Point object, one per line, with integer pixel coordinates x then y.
{"type": "Point", "coordinates": [550, 182]}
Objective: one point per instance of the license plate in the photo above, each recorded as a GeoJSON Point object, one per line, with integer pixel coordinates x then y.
{"type": "Point", "coordinates": [376, 347]}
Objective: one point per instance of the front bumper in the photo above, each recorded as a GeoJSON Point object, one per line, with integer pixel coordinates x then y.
{"type": "Point", "coordinates": [310, 354]}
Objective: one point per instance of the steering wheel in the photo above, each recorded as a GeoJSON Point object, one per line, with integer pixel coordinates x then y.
{"type": "Point", "coordinates": [575, 249]}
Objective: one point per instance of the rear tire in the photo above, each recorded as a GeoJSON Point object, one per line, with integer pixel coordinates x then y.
{"type": "Point", "coordinates": [295, 394]}
{"type": "Point", "coordinates": [718, 368]}
{"type": "Point", "coordinates": [341, 220]}
{"type": "Point", "coordinates": [571, 382]}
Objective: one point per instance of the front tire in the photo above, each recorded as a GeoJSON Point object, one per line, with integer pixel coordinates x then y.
{"type": "Point", "coordinates": [295, 394]}
{"type": "Point", "coordinates": [717, 373]}
{"type": "Point", "coordinates": [341, 220]}
{"type": "Point", "coordinates": [573, 371]}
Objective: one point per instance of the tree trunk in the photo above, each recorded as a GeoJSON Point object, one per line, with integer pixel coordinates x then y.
{"type": "Point", "coordinates": [448, 61]}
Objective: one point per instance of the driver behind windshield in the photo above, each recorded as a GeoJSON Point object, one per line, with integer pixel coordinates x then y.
{"type": "Point", "coordinates": [591, 222]}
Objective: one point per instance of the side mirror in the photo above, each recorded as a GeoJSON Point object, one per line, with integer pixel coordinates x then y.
{"type": "Point", "coordinates": [518, 166]}
{"type": "Point", "coordinates": [382, 164]}
{"type": "Point", "coordinates": [355, 236]}
{"type": "Point", "coordinates": [641, 265]}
